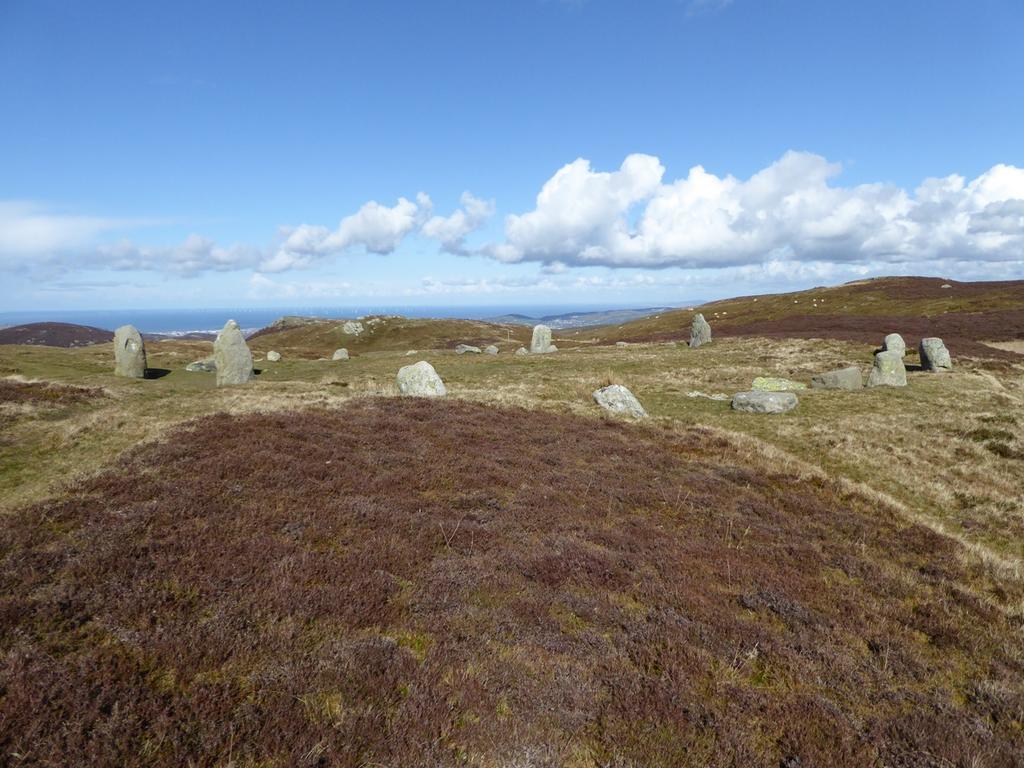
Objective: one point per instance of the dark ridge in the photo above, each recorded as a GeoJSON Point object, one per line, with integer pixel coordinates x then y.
{"type": "Point", "coordinates": [55, 335]}
{"type": "Point", "coordinates": [406, 582]}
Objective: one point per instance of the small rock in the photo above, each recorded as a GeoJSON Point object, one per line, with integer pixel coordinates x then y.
{"type": "Point", "coordinates": [618, 399]}
{"type": "Point", "coordinates": [206, 365]}
{"type": "Point", "coordinates": [232, 356]}
{"type": "Point", "coordinates": [776, 384]}
{"type": "Point", "coordinates": [411, 352]}
{"type": "Point", "coordinates": [541, 341]}
{"type": "Point", "coordinates": [934, 355]}
{"type": "Point", "coordinates": [844, 378]}
{"type": "Point", "coordinates": [621, 343]}
{"type": "Point", "coordinates": [522, 351]}
{"type": "Point", "coordinates": [273, 356]}
{"type": "Point", "coordinates": [462, 349]}
{"type": "Point", "coordinates": [760, 401]}
{"type": "Point", "coordinates": [946, 285]}
{"type": "Point", "coordinates": [129, 353]}
{"type": "Point", "coordinates": [700, 331]}
{"type": "Point", "coordinates": [352, 328]}
{"type": "Point", "coordinates": [894, 343]}
{"type": "Point", "coordinates": [340, 354]}
{"type": "Point", "coordinates": [490, 349]}
{"type": "Point", "coordinates": [420, 380]}
{"type": "Point", "coordinates": [888, 371]}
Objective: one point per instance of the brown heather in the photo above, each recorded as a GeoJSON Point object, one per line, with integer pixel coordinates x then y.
{"type": "Point", "coordinates": [405, 582]}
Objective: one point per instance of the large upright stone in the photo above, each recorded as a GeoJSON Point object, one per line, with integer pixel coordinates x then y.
{"type": "Point", "coordinates": [420, 380]}
{"type": "Point", "coordinates": [617, 399]}
{"type": "Point", "coordinates": [129, 353]}
{"type": "Point", "coordinates": [934, 355]}
{"type": "Point", "coordinates": [541, 342]}
{"type": "Point", "coordinates": [700, 331]}
{"type": "Point", "coordinates": [894, 343]}
{"type": "Point", "coordinates": [888, 370]}
{"type": "Point", "coordinates": [844, 378]}
{"type": "Point", "coordinates": [232, 356]}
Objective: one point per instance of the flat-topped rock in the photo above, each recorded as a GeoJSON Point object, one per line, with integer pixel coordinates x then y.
{"type": "Point", "coordinates": [129, 353]}
{"type": "Point", "coordinates": [420, 380]}
{"type": "Point", "coordinates": [776, 384]}
{"type": "Point", "coordinates": [700, 331]}
{"type": "Point", "coordinates": [934, 355]}
{"type": "Point", "coordinates": [466, 349]}
{"type": "Point", "coordinates": [888, 371]}
{"type": "Point", "coordinates": [617, 399]}
{"type": "Point", "coordinates": [760, 401]}
{"type": "Point", "coordinates": [843, 378]}
{"type": "Point", "coordinates": [232, 357]}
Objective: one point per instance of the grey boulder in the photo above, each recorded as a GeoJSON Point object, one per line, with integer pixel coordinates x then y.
{"type": "Point", "coordinates": [129, 353]}
{"type": "Point", "coordinates": [273, 356]}
{"type": "Point", "coordinates": [761, 401]}
{"type": "Point", "coordinates": [522, 351]}
{"type": "Point", "coordinates": [894, 343]}
{"type": "Point", "coordinates": [352, 328]}
{"type": "Point", "coordinates": [420, 380]}
{"type": "Point", "coordinates": [934, 355]}
{"type": "Point", "coordinates": [700, 331]}
{"type": "Point", "coordinates": [205, 365]}
{"type": "Point", "coordinates": [617, 399]}
{"type": "Point", "coordinates": [490, 349]}
{"type": "Point", "coordinates": [463, 349]}
{"type": "Point", "coordinates": [232, 357]}
{"type": "Point", "coordinates": [340, 354]}
{"type": "Point", "coordinates": [888, 371]}
{"type": "Point", "coordinates": [844, 378]}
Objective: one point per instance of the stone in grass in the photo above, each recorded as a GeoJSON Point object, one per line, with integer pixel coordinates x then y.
{"type": "Point", "coordinates": [844, 378]}
{"type": "Point", "coordinates": [352, 328]}
{"type": "Point", "coordinates": [340, 354]}
{"type": "Point", "coordinates": [463, 349]}
{"type": "Point", "coordinates": [541, 344]}
{"type": "Point", "coordinates": [490, 349]}
{"type": "Point", "coordinates": [522, 352]}
{"type": "Point", "coordinates": [206, 365]}
{"type": "Point", "coordinates": [273, 356]}
{"type": "Point", "coordinates": [894, 343]}
{"type": "Point", "coordinates": [129, 353]}
{"type": "Point", "coordinates": [934, 355]}
{"type": "Point", "coordinates": [700, 331]}
{"type": "Point", "coordinates": [232, 356]}
{"type": "Point", "coordinates": [776, 384]}
{"type": "Point", "coordinates": [888, 371]}
{"type": "Point", "coordinates": [420, 380]}
{"type": "Point", "coordinates": [617, 399]}
{"type": "Point", "coordinates": [759, 401]}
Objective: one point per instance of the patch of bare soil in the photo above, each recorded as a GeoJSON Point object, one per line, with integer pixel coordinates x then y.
{"type": "Point", "coordinates": [407, 582]}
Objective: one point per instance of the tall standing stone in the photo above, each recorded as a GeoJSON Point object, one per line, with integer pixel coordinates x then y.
{"type": "Point", "coordinates": [895, 343]}
{"type": "Point", "coordinates": [129, 353]}
{"type": "Point", "coordinates": [934, 355]}
{"type": "Point", "coordinates": [232, 356]}
{"type": "Point", "coordinates": [700, 331]}
{"type": "Point", "coordinates": [888, 371]}
{"type": "Point", "coordinates": [541, 342]}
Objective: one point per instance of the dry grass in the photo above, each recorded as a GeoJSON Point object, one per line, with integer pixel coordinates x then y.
{"type": "Point", "coordinates": [400, 582]}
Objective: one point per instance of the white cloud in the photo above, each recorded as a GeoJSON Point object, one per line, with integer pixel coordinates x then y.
{"type": "Point", "coordinates": [29, 230]}
{"type": "Point", "coordinates": [788, 211]}
{"type": "Point", "coordinates": [195, 255]}
{"type": "Point", "coordinates": [451, 231]}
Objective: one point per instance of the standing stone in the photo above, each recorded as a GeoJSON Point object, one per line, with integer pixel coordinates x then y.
{"type": "Point", "coordinates": [490, 349]}
{"type": "Point", "coordinates": [700, 331]}
{"type": "Point", "coordinates": [340, 354]}
{"type": "Point", "coordinates": [541, 342]}
{"type": "Point", "coordinates": [888, 371]}
{"type": "Point", "coordinates": [844, 378]}
{"type": "Point", "coordinates": [466, 349]}
{"type": "Point", "coordinates": [273, 356]}
{"type": "Point", "coordinates": [894, 343]}
{"type": "Point", "coordinates": [620, 401]}
{"type": "Point", "coordinates": [934, 355]}
{"type": "Point", "coordinates": [420, 380]}
{"type": "Point", "coordinates": [232, 356]}
{"type": "Point", "coordinates": [129, 353]}
{"type": "Point", "coordinates": [759, 401]}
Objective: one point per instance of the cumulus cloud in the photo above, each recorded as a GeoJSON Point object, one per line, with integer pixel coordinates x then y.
{"type": "Point", "coordinates": [451, 231]}
{"type": "Point", "coordinates": [31, 231]}
{"type": "Point", "coordinates": [789, 211]}
{"type": "Point", "coordinates": [195, 255]}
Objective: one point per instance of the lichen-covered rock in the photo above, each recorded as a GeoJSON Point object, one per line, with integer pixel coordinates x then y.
{"type": "Point", "coordinates": [232, 357]}
{"type": "Point", "coordinates": [352, 328]}
{"type": "Point", "coordinates": [129, 353]}
{"type": "Point", "coordinates": [420, 380]}
{"type": "Point", "coordinates": [490, 349]}
{"type": "Point", "coordinates": [760, 401]}
{"type": "Point", "coordinates": [464, 349]}
{"type": "Point", "coordinates": [894, 343]}
{"type": "Point", "coordinates": [540, 344]}
{"type": "Point", "coordinates": [776, 384]}
{"type": "Point", "coordinates": [522, 351]}
{"type": "Point", "coordinates": [340, 354]}
{"type": "Point", "coordinates": [617, 399]}
{"type": "Point", "coordinates": [700, 331]}
{"type": "Point", "coordinates": [273, 356]}
{"type": "Point", "coordinates": [934, 355]}
{"type": "Point", "coordinates": [844, 378]}
{"type": "Point", "coordinates": [888, 371]}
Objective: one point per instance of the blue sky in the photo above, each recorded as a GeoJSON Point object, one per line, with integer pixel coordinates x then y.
{"type": "Point", "coordinates": [195, 154]}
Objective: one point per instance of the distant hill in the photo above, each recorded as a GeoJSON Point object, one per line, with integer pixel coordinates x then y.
{"type": "Point", "coordinates": [581, 319]}
{"type": "Point", "coordinates": [55, 335]}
